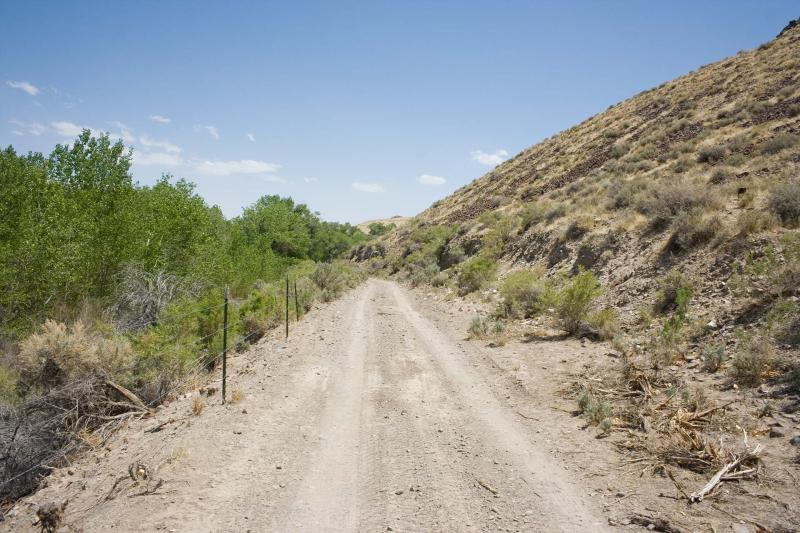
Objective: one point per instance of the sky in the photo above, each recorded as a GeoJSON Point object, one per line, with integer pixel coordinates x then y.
{"type": "Point", "coordinates": [362, 110]}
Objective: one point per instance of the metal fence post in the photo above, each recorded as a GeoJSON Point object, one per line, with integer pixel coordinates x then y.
{"type": "Point", "coordinates": [287, 306]}
{"type": "Point", "coordinates": [296, 303]}
{"type": "Point", "coordinates": [225, 344]}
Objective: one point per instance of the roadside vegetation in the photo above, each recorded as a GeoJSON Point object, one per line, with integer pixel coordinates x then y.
{"type": "Point", "coordinates": [111, 292]}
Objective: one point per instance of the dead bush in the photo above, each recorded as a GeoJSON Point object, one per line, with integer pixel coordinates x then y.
{"type": "Point", "coordinates": [57, 354]}
{"type": "Point", "coordinates": [141, 296]}
{"type": "Point", "coordinates": [198, 405]}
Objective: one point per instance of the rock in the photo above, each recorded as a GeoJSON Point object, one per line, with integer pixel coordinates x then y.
{"type": "Point", "coordinates": [795, 441]}
{"type": "Point", "coordinates": [776, 432]}
{"type": "Point", "coordinates": [398, 492]}
{"type": "Point", "coordinates": [712, 324]}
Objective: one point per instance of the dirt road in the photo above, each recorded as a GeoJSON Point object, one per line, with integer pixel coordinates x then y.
{"type": "Point", "coordinates": [370, 418]}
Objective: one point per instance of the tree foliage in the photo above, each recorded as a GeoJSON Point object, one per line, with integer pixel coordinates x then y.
{"type": "Point", "coordinates": [72, 222]}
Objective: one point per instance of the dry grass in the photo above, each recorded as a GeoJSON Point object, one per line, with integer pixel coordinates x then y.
{"type": "Point", "coordinates": [198, 405]}
{"type": "Point", "coordinates": [237, 396]}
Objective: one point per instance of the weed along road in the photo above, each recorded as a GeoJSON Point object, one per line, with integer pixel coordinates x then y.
{"type": "Point", "coordinates": [371, 417]}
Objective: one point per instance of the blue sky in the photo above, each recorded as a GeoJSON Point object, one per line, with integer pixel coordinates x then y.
{"type": "Point", "coordinates": [362, 110]}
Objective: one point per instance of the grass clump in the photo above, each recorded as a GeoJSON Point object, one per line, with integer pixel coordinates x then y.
{"type": "Point", "coordinates": [475, 273]}
{"type": "Point", "coordinates": [198, 405]}
{"type": "Point", "coordinates": [784, 202]}
{"type": "Point", "coordinates": [691, 229]}
{"type": "Point", "coordinates": [576, 298]}
{"type": "Point", "coordinates": [525, 293]}
{"type": "Point", "coordinates": [596, 412]}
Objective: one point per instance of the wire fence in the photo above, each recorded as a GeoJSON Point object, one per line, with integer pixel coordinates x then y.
{"type": "Point", "coordinates": [201, 362]}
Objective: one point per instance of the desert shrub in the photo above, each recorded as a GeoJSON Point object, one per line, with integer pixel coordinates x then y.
{"type": "Point", "coordinates": [481, 327]}
{"type": "Point", "coordinates": [691, 229]}
{"type": "Point", "coordinates": [440, 279]}
{"type": "Point", "coordinates": [749, 365]}
{"type": "Point", "coordinates": [713, 357]}
{"type": "Point", "coordinates": [335, 277]}
{"type": "Point", "coordinates": [58, 354]}
{"type": "Point", "coordinates": [498, 235]}
{"type": "Point", "coordinates": [579, 227]}
{"type": "Point", "coordinates": [666, 200]}
{"type": "Point", "coordinates": [423, 275]}
{"type": "Point", "coordinates": [533, 213]}
{"type": "Point", "coordinates": [784, 201]}
{"type": "Point", "coordinates": [792, 378]}
{"type": "Point", "coordinates": [720, 175]}
{"type": "Point", "coordinates": [605, 322]}
{"type": "Point", "coordinates": [754, 221]}
{"type": "Point", "coordinates": [783, 322]}
{"type": "Point", "coordinates": [595, 411]}
{"type": "Point", "coordinates": [711, 154]}
{"type": "Point", "coordinates": [682, 164]}
{"type": "Point", "coordinates": [576, 298]}
{"type": "Point", "coordinates": [619, 149]}
{"type": "Point", "coordinates": [736, 160]}
{"type": "Point", "coordinates": [475, 273]}
{"type": "Point", "coordinates": [555, 212]}
{"type": "Point", "coordinates": [675, 292]}
{"type": "Point", "coordinates": [525, 293]}
{"type": "Point", "coordinates": [624, 193]}
{"type": "Point", "coordinates": [260, 312]}
{"type": "Point", "coordinates": [778, 143]}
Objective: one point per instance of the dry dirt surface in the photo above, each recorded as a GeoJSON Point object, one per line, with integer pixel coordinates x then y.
{"type": "Point", "coordinates": [375, 415]}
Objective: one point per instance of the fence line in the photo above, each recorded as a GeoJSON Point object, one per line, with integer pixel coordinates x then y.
{"type": "Point", "coordinates": [189, 372]}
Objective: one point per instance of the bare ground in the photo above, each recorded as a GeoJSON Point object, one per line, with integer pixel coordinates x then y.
{"type": "Point", "coordinates": [375, 415]}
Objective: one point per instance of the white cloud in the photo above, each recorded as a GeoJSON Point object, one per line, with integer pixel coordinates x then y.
{"type": "Point", "coordinates": [211, 130]}
{"type": "Point", "coordinates": [427, 179]}
{"type": "Point", "coordinates": [66, 129]}
{"type": "Point", "coordinates": [490, 159]}
{"type": "Point", "coordinates": [251, 137]}
{"type": "Point", "coordinates": [32, 128]}
{"type": "Point", "coordinates": [160, 119]}
{"type": "Point", "coordinates": [125, 134]}
{"type": "Point", "coordinates": [24, 86]}
{"type": "Point", "coordinates": [157, 158]}
{"type": "Point", "coordinates": [226, 168]}
{"type": "Point", "coordinates": [144, 140]}
{"type": "Point", "coordinates": [310, 180]}
{"type": "Point", "coordinates": [368, 187]}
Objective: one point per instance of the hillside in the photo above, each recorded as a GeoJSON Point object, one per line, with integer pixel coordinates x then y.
{"type": "Point", "coordinates": [665, 227]}
{"type": "Point", "coordinates": [694, 175]}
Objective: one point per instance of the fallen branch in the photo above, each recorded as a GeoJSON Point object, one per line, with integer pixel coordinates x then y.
{"type": "Point", "coordinates": [725, 472]}
{"type": "Point", "coordinates": [129, 395]}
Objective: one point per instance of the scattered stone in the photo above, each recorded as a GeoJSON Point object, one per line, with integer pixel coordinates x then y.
{"type": "Point", "coordinates": [398, 492]}
{"type": "Point", "coordinates": [795, 441]}
{"type": "Point", "coordinates": [776, 432]}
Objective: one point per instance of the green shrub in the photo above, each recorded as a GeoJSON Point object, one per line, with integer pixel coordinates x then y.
{"type": "Point", "coordinates": [8, 386]}
{"type": "Point", "coordinates": [525, 293]}
{"type": "Point", "coordinates": [784, 201]}
{"type": "Point", "coordinates": [423, 275]}
{"type": "Point", "coordinates": [675, 293]}
{"type": "Point", "coordinates": [596, 412]}
{"type": "Point", "coordinates": [475, 273]}
{"type": "Point", "coordinates": [575, 299]}
{"type": "Point", "coordinates": [778, 143]}
{"type": "Point", "coordinates": [713, 357]}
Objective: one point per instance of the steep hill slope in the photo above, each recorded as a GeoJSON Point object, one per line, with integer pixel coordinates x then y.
{"type": "Point", "coordinates": [694, 174]}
